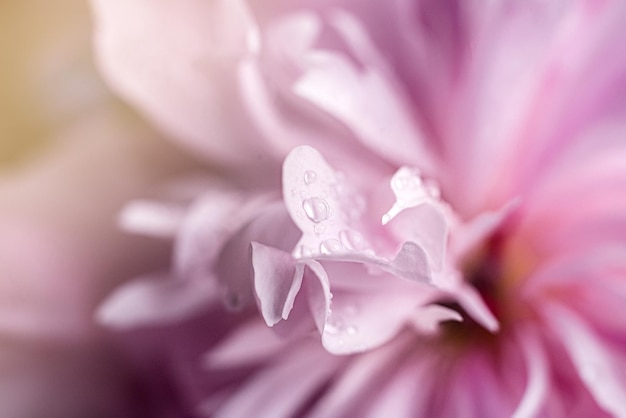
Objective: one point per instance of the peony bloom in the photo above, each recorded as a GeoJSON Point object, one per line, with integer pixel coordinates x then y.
{"type": "Point", "coordinates": [447, 236]}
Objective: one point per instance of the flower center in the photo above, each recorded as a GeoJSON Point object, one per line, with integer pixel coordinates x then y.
{"type": "Point", "coordinates": [495, 270]}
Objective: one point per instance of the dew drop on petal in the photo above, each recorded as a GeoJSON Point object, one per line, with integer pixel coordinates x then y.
{"type": "Point", "coordinates": [406, 180]}
{"type": "Point", "coordinates": [331, 246]}
{"type": "Point", "coordinates": [319, 229]}
{"type": "Point", "coordinates": [332, 328]}
{"type": "Point", "coordinates": [310, 177]}
{"type": "Point", "coordinates": [433, 189]}
{"type": "Point", "coordinates": [316, 209]}
{"type": "Point", "coordinates": [352, 330]}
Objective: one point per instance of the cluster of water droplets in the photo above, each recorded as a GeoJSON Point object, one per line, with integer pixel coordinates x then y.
{"type": "Point", "coordinates": [410, 190]}
{"type": "Point", "coordinates": [340, 325]}
{"type": "Point", "coordinates": [324, 218]}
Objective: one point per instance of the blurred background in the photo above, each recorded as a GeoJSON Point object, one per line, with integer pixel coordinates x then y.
{"type": "Point", "coordinates": [47, 78]}
{"type": "Point", "coordinates": [71, 155]}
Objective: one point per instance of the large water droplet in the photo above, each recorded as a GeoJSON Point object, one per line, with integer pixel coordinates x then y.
{"type": "Point", "coordinates": [310, 177]}
{"type": "Point", "coordinates": [316, 209]}
{"type": "Point", "coordinates": [331, 246]}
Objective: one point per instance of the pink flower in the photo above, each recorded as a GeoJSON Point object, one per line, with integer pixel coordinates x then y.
{"type": "Point", "coordinates": [450, 236]}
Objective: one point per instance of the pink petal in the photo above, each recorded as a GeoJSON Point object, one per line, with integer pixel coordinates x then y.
{"type": "Point", "coordinates": [599, 365]}
{"type": "Point", "coordinates": [153, 219]}
{"type": "Point", "coordinates": [330, 218]}
{"type": "Point", "coordinates": [368, 310]}
{"type": "Point", "coordinates": [234, 350]}
{"type": "Point", "coordinates": [274, 393]}
{"type": "Point", "coordinates": [210, 222]}
{"type": "Point", "coordinates": [277, 281]}
{"type": "Point", "coordinates": [233, 267]}
{"type": "Point", "coordinates": [360, 381]}
{"type": "Point", "coordinates": [426, 319]}
{"type": "Point", "coordinates": [535, 395]}
{"type": "Point", "coordinates": [156, 300]}
{"type": "Point", "coordinates": [161, 74]}
{"type": "Point", "coordinates": [337, 86]}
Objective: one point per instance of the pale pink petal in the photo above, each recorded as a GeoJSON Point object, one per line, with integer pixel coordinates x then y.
{"type": "Point", "coordinates": [426, 319]}
{"type": "Point", "coordinates": [369, 309]}
{"type": "Point", "coordinates": [233, 266]}
{"type": "Point", "coordinates": [156, 300]}
{"type": "Point", "coordinates": [315, 199]}
{"type": "Point", "coordinates": [155, 219]}
{"type": "Point", "coordinates": [162, 78]}
{"type": "Point", "coordinates": [345, 91]}
{"type": "Point", "coordinates": [475, 306]}
{"type": "Point", "coordinates": [426, 225]}
{"type": "Point", "coordinates": [209, 223]}
{"type": "Point", "coordinates": [406, 394]}
{"type": "Point", "coordinates": [469, 235]}
{"type": "Point", "coordinates": [360, 378]}
{"type": "Point", "coordinates": [234, 350]}
{"type": "Point", "coordinates": [277, 281]}
{"type": "Point", "coordinates": [331, 218]}
{"type": "Point", "coordinates": [599, 364]}
{"type": "Point", "coordinates": [274, 393]}
{"type": "Point", "coordinates": [537, 382]}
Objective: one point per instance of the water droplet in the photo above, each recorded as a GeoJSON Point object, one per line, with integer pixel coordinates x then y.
{"type": "Point", "coordinates": [406, 179]}
{"type": "Point", "coordinates": [352, 330]}
{"type": "Point", "coordinates": [319, 229]}
{"type": "Point", "coordinates": [331, 328]}
{"type": "Point", "coordinates": [316, 209]}
{"type": "Point", "coordinates": [331, 246]}
{"type": "Point", "coordinates": [352, 240]}
{"type": "Point", "coordinates": [310, 177]}
{"type": "Point", "coordinates": [432, 189]}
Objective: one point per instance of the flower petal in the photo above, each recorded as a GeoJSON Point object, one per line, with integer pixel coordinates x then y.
{"type": "Point", "coordinates": [367, 310]}
{"type": "Point", "coordinates": [277, 281]}
{"type": "Point", "coordinates": [156, 300]}
{"type": "Point", "coordinates": [234, 350]}
{"type": "Point", "coordinates": [273, 393]}
{"type": "Point", "coordinates": [599, 366]}
{"type": "Point", "coordinates": [162, 77]}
